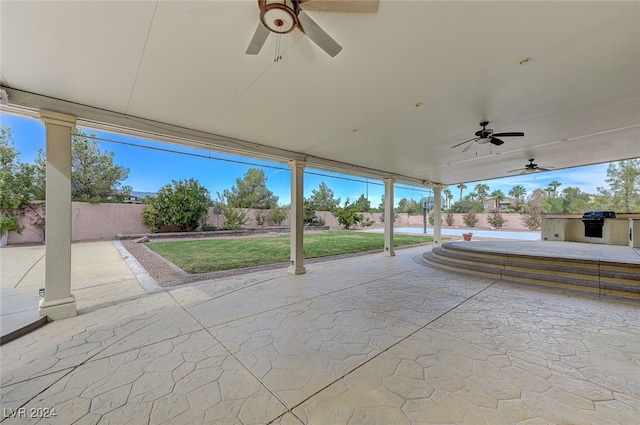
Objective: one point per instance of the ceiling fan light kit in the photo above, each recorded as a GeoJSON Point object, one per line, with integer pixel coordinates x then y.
{"type": "Point", "coordinates": [283, 16]}
{"type": "Point", "coordinates": [486, 135]}
{"type": "Point", "coordinates": [531, 168]}
{"type": "Point", "coordinates": [279, 16]}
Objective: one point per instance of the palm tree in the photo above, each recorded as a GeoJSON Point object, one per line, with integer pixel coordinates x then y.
{"type": "Point", "coordinates": [554, 187]}
{"type": "Point", "coordinates": [448, 196]}
{"type": "Point", "coordinates": [461, 186]}
{"type": "Point", "coordinates": [517, 192]}
{"type": "Point", "coordinates": [497, 196]}
{"type": "Point", "coordinates": [482, 190]}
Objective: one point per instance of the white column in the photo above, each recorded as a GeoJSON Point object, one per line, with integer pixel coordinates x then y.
{"type": "Point", "coordinates": [388, 218]}
{"type": "Point", "coordinates": [58, 302]}
{"type": "Point", "coordinates": [437, 216]}
{"type": "Point", "coordinates": [297, 217]}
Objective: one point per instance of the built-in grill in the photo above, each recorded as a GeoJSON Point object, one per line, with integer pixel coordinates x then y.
{"type": "Point", "coordinates": [594, 222]}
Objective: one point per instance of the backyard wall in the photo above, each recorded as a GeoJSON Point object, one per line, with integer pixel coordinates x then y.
{"type": "Point", "coordinates": [104, 221]}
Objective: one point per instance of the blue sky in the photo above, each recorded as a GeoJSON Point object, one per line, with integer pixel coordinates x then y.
{"type": "Point", "coordinates": [151, 169]}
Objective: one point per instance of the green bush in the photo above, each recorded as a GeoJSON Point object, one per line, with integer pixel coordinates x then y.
{"type": "Point", "coordinates": [348, 216]}
{"type": "Point", "coordinates": [234, 218]}
{"type": "Point", "coordinates": [367, 222]}
{"type": "Point", "coordinates": [277, 214]}
{"type": "Point", "coordinates": [466, 205]}
{"type": "Point", "coordinates": [496, 220]}
{"type": "Point", "coordinates": [208, 228]}
{"type": "Point", "coordinates": [260, 219]}
{"type": "Point", "coordinates": [9, 223]}
{"type": "Point", "coordinates": [151, 218]}
{"type": "Point", "coordinates": [470, 219]}
{"type": "Point", "coordinates": [183, 203]}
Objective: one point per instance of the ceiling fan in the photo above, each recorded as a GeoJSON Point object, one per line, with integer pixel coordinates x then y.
{"type": "Point", "coordinates": [486, 135]}
{"type": "Point", "coordinates": [283, 16]}
{"type": "Point", "coordinates": [531, 168]}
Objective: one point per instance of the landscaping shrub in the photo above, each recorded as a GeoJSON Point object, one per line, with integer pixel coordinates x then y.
{"type": "Point", "coordinates": [277, 214]}
{"type": "Point", "coordinates": [367, 222]}
{"type": "Point", "coordinates": [496, 220]}
{"type": "Point", "coordinates": [183, 203]}
{"type": "Point", "coordinates": [151, 218]}
{"type": "Point", "coordinates": [449, 219]}
{"type": "Point", "coordinates": [348, 216]}
{"type": "Point", "coordinates": [260, 219]}
{"type": "Point", "coordinates": [470, 219]}
{"type": "Point", "coordinates": [235, 218]}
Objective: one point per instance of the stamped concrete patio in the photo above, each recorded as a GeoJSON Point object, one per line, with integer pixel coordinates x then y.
{"type": "Point", "coordinates": [364, 340]}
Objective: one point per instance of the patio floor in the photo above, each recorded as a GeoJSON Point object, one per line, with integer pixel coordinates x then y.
{"type": "Point", "coordinates": [363, 340]}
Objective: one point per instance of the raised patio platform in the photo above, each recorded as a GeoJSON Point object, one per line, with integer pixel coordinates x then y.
{"type": "Point", "coordinates": [606, 270]}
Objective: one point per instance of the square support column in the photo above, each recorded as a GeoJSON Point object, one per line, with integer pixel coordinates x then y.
{"type": "Point", "coordinates": [437, 215]}
{"type": "Point", "coordinates": [388, 218]}
{"type": "Point", "coordinates": [58, 302]}
{"type": "Point", "coordinates": [297, 217]}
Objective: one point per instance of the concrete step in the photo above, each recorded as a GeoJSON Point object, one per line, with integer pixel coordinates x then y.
{"type": "Point", "coordinates": [609, 278]}
{"type": "Point", "coordinates": [19, 315]}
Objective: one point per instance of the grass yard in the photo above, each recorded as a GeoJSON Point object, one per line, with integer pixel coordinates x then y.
{"type": "Point", "coordinates": [209, 255]}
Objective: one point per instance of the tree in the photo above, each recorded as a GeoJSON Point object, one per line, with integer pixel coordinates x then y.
{"type": "Point", "coordinates": [448, 196]}
{"type": "Point", "coordinates": [349, 215]}
{"type": "Point", "coordinates": [482, 190]}
{"type": "Point", "coordinates": [94, 175]}
{"type": "Point", "coordinates": [498, 196]}
{"type": "Point", "coordinates": [16, 183]}
{"type": "Point", "coordinates": [461, 186]}
{"type": "Point", "coordinates": [466, 205]}
{"type": "Point", "coordinates": [575, 200]}
{"type": "Point", "coordinates": [554, 185]}
{"type": "Point", "coordinates": [363, 204]}
{"type": "Point", "coordinates": [518, 192]}
{"type": "Point", "coordinates": [323, 199]}
{"type": "Point", "coordinates": [251, 192]}
{"type": "Point", "coordinates": [409, 206]}
{"type": "Point", "coordinates": [381, 206]}
{"type": "Point", "coordinates": [531, 215]}
{"type": "Point", "coordinates": [183, 203]}
{"type": "Point", "coordinates": [623, 178]}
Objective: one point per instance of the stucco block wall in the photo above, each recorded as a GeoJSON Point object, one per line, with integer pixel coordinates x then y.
{"type": "Point", "coordinates": [105, 221]}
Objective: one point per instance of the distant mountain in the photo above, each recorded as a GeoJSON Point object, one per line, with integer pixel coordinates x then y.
{"type": "Point", "coordinates": [140, 195]}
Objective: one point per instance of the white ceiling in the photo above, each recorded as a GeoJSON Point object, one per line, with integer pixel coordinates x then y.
{"type": "Point", "coordinates": [183, 63]}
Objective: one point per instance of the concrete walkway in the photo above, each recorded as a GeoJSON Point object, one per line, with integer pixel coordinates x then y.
{"type": "Point", "coordinates": [365, 340]}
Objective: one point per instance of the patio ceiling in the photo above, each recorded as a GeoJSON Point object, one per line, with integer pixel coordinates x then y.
{"type": "Point", "coordinates": [412, 80]}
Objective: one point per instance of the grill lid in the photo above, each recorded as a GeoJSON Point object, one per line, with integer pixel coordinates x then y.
{"type": "Point", "coordinates": [598, 215]}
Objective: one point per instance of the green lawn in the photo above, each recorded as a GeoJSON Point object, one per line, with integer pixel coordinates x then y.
{"type": "Point", "coordinates": [202, 256]}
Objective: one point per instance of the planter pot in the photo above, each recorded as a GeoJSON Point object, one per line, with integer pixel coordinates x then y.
{"type": "Point", "coordinates": [467, 236]}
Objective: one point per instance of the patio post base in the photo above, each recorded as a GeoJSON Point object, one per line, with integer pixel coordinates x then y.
{"type": "Point", "coordinates": [58, 309]}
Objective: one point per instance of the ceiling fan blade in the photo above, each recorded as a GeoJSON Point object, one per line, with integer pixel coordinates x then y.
{"type": "Point", "coordinates": [354, 6]}
{"type": "Point", "coordinates": [512, 134]}
{"type": "Point", "coordinates": [469, 146]}
{"type": "Point", "coordinates": [462, 143]}
{"type": "Point", "coordinates": [318, 35]}
{"type": "Point", "coordinates": [496, 142]}
{"type": "Point", "coordinates": [258, 40]}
